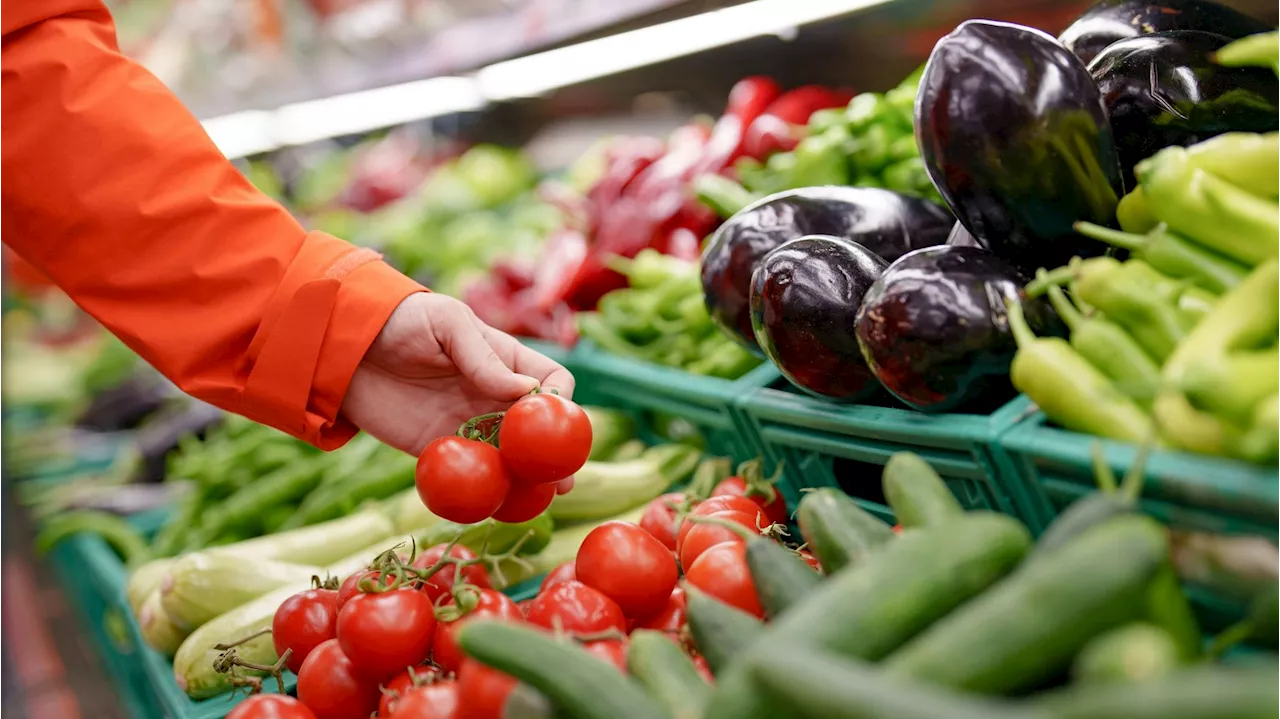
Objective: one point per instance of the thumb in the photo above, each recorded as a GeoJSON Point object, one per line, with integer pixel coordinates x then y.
{"type": "Point", "coordinates": [476, 360]}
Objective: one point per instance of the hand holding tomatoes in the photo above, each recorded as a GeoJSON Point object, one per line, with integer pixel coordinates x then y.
{"type": "Point", "coordinates": [544, 438]}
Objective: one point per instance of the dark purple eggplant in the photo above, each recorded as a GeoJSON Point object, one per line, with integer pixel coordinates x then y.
{"type": "Point", "coordinates": [1013, 133]}
{"type": "Point", "coordinates": [934, 331]}
{"type": "Point", "coordinates": [804, 298]}
{"type": "Point", "coordinates": [887, 223]}
{"type": "Point", "coordinates": [1111, 21]}
{"type": "Point", "coordinates": [1163, 89]}
{"type": "Point", "coordinates": [127, 404]}
{"type": "Point", "coordinates": [960, 237]}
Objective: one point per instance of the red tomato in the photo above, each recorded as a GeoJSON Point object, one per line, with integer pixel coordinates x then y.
{"type": "Point", "coordinates": [302, 622]}
{"type": "Point", "coordinates": [704, 669]}
{"type": "Point", "coordinates": [483, 690]}
{"type": "Point", "coordinates": [462, 480]}
{"type": "Point", "coordinates": [441, 583]}
{"type": "Point", "coordinates": [330, 686]}
{"type": "Point", "coordinates": [384, 633]}
{"type": "Point", "coordinates": [563, 573]}
{"type": "Point", "coordinates": [713, 505]}
{"type": "Point", "coordinates": [722, 572]}
{"type": "Point", "coordinates": [897, 529]}
{"type": "Point", "coordinates": [629, 566]}
{"type": "Point", "coordinates": [524, 502]}
{"type": "Point", "coordinates": [576, 609]}
{"type": "Point", "coordinates": [775, 510]}
{"type": "Point", "coordinates": [430, 701]}
{"type": "Point", "coordinates": [524, 606]}
{"type": "Point", "coordinates": [705, 536]}
{"type": "Point", "coordinates": [402, 683]}
{"type": "Point", "coordinates": [351, 585]}
{"type": "Point", "coordinates": [659, 518]}
{"type": "Point", "coordinates": [544, 438]}
{"type": "Point", "coordinates": [811, 560]}
{"type": "Point", "coordinates": [491, 604]}
{"type": "Point", "coordinates": [613, 651]}
{"type": "Point", "coordinates": [271, 706]}
{"type": "Point", "coordinates": [672, 617]}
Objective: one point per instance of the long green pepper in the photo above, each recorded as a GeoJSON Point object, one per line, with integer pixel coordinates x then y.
{"type": "Point", "coordinates": [1172, 255]}
{"type": "Point", "coordinates": [1126, 294]}
{"type": "Point", "coordinates": [1107, 347]}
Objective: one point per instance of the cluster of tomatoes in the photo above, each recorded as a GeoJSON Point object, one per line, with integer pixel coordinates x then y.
{"type": "Point", "coordinates": [541, 440]}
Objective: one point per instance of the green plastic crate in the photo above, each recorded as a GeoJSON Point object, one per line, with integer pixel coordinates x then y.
{"type": "Point", "coordinates": [823, 443]}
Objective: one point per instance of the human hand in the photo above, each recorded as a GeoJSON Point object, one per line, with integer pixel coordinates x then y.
{"type": "Point", "coordinates": [434, 366]}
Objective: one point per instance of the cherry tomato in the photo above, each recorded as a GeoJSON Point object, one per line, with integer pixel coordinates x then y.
{"type": "Point", "coordinates": [384, 633]}
{"type": "Point", "coordinates": [629, 566]}
{"type": "Point", "coordinates": [705, 536]}
{"type": "Point", "coordinates": [722, 572]}
{"type": "Point", "coordinates": [302, 622]}
{"type": "Point", "coordinates": [402, 683]}
{"type": "Point", "coordinates": [330, 686]}
{"type": "Point", "coordinates": [811, 560]}
{"type": "Point", "coordinates": [491, 604]}
{"type": "Point", "coordinates": [613, 651]}
{"type": "Point", "coordinates": [659, 518]}
{"type": "Point", "coordinates": [672, 617]}
{"type": "Point", "coordinates": [563, 573]}
{"type": "Point", "coordinates": [271, 706]}
{"type": "Point", "coordinates": [462, 480]}
{"type": "Point", "coordinates": [544, 438]}
{"type": "Point", "coordinates": [430, 701]}
{"type": "Point", "coordinates": [524, 606]}
{"type": "Point", "coordinates": [441, 583]}
{"type": "Point", "coordinates": [483, 690]}
{"type": "Point", "coordinates": [775, 510]}
{"type": "Point", "coordinates": [710, 507]}
{"type": "Point", "coordinates": [704, 669]}
{"type": "Point", "coordinates": [524, 502]}
{"type": "Point", "coordinates": [897, 529]}
{"type": "Point", "coordinates": [577, 609]}
{"type": "Point", "coordinates": [351, 585]}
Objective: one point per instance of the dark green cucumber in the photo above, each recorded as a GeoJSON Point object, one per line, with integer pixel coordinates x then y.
{"type": "Point", "coordinates": [577, 683]}
{"type": "Point", "coordinates": [839, 532]}
{"type": "Point", "coordinates": [1135, 652]}
{"type": "Point", "coordinates": [1168, 608]}
{"type": "Point", "coordinates": [666, 671]}
{"type": "Point", "coordinates": [1029, 627]}
{"type": "Point", "coordinates": [820, 685]}
{"type": "Point", "coordinates": [1081, 516]}
{"type": "Point", "coordinates": [1201, 692]}
{"type": "Point", "coordinates": [781, 577]}
{"type": "Point", "coordinates": [720, 631]}
{"type": "Point", "coordinates": [916, 493]}
{"type": "Point", "coordinates": [868, 611]}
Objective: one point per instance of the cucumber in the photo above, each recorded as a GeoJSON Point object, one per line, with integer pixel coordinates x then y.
{"type": "Point", "coordinates": [781, 577]}
{"type": "Point", "coordinates": [144, 580]}
{"type": "Point", "coordinates": [577, 683]}
{"type": "Point", "coordinates": [603, 489]}
{"type": "Point", "coordinates": [837, 530]}
{"type": "Point", "coordinates": [666, 671]}
{"type": "Point", "coordinates": [820, 685]}
{"type": "Point", "coordinates": [868, 611]}
{"type": "Point", "coordinates": [1029, 627]}
{"type": "Point", "coordinates": [158, 630]}
{"type": "Point", "coordinates": [1132, 653]}
{"type": "Point", "coordinates": [720, 631]}
{"type": "Point", "coordinates": [1081, 516]}
{"type": "Point", "coordinates": [916, 493]}
{"type": "Point", "coordinates": [203, 585]}
{"type": "Point", "coordinates": [1201, 692]}
{"type": "Point", "coordinates": [1168, 608]}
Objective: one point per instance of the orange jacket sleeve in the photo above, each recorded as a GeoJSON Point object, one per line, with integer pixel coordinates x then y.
{"type": "Point", "coordinates": [112, 189]}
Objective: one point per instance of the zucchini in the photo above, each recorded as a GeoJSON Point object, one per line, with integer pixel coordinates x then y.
{"type": "Point", "coordinates": [408, 513]}
{"type": "Point", "coordinates": [603, 489]}
{"type": "Point", "coordinates": [781, 577]}
{"type": "Point", "coordinates": [203, 585]}
{"type": "Point", "coordinates": [610, 429]}
{"type": "Point", "coordinates": [1201, 692]}
{"type": "Point", "coordinates": [1132, 653]}
{"type": "Point", "coordinates": [662, 667]}
{"type": "Point", "coordinates": [144, 580]}
{"type": "Point", "coordinates": [317, 544]}
{"type": "Point", "coordinates": [1028, 628]}
{"type": "Point", "coordinates": [916, 493]}
{"type": "Point", "coordinates": [577, 683]}
{"type": "Point", "coordinates": [839, 532]}
{"type": "Point", "coordinates": [868, 611]}
{"type": "Point", "coordinates": [721, 632]}
{"type": "Point", "coordinates": [158, 630]}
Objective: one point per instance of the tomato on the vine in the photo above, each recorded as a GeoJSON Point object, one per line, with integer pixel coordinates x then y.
{"type": "Point", "coordinates": [704, 669]}
{"type": "Point", "coordinates": [576, 609]}
{"type": "Point", "coordinates": [629, 566]}
{"type": "Point", "coordinates": [672, 616]}
{"type": "Point", "coordinates": [271, 706]}
{"type": "Point", "coordinates": [811, 560]}
{"type": "Point", "coordinates": [330, 686]}
{"type": "Point", "coordinates": [544, 438]}
{"type": "Point", "coordinates": [660, 519]}
{"type": "Point", "coordinates": [722, 572]}
{"type": "Point", "coordinates": [897, 529]}
{"type": "Point", "coordinates": [524, 502]}
{"type": "Point", "coordinates": [441, 583]}
{"type": "Point", "coordinates": [563, 573]}
{"type": "Point", "coordinates": [438, 700]}
{"type": "Point", "coordinates": [384, 633]}
{"type": "Point", "coordinates": [490, 604]}
{"type": "Point", "coordinates": [613, 651]}
{"type": "Point", "coordinates": [351, 585]}
{"type": "Point", "coordinates": [711, 506]}
{"type": "Point", "coordinates": [483, 690]}
{"type": "Point", "coordinates": [402, 683]}
{"type": "Point", "coordinates": [462, 480]}
{"type": "Point", "coordinates": [775, 510]}
{"type": "Point", "coordinates": [302, 622]}
{"type": "Point", "coordinates": [702, 537]}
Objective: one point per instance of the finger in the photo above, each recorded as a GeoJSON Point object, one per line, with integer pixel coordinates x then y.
{"type": "Point", "coordinates": [564, 486]}
{"type": "Point", "coordinates": [477, 360]}
{"type": "Point", "coordinates": [527, 361]}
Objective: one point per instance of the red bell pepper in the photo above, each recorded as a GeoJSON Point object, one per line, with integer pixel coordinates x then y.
{"type": "Point", "coordinates": [625, 160]}
{"type": "Point", "coordinates": [747, 100]}
{"type": "Point", "coordinates": [778, 128]}
{"type": "Point", "coordinates": [684, 150]}
{"type": "Point", "coordinates": [562, 261]}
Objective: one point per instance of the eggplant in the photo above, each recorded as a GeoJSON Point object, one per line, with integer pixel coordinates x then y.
{"type": "Point", "coordinates": [934, 330]}
{"type": "Point", "coordinates": [805, 295]}
{"type": "Point", "coordinates": [1013, 134]}
{"type": "Point", "coordinates": [1164, 89]}
{"type": "Point", "coordinates": [960, 237]}
{"type": "Point", "coordinates": [887, 223]}
{"type": "Point", "coordinates": [1111, 21]}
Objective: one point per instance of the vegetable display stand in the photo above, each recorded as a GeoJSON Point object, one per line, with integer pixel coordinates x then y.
{"type": "Point", "coordinates": [822, 443]}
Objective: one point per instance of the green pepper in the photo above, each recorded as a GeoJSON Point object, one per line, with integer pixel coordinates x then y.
{"type": "Point", "coordinates": [1245, 159]}
{"type": "Point", "coordinates": [864, 110]}
{"type": "Point", "coordinates": [1173, 255]}
{"type": "Point", "coordinates": [870, 150]}
{"type": "Point", "coordinates": [1134, 213]}
{"type": "Point", "coordinates": [820, 159]}
{"type": "Point", "coordinates": [1107, 347]}
{"type": "Point", "coordinates": [823, 120]}
{"type": "Point", "coordinates": [1253, 51]}
{"type": "Point", "coordinates": [1125, 293]}
{"type": "Point", "coordinates": [1208, 209]}
{"type": "Point", "coordinates": [594, 327]}
{"type": "Point", "coordinates": [724, 196]}
{"type": "Point", "coordinates": [1232, 386]}
{"type": "Point", "coordinates": [1068, 389]}
{"type": "Point", "coordinates": [1261, 443]}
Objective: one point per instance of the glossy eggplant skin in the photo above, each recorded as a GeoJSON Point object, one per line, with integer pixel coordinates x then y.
{"type": "Point", "coordinates": [1013, 133]}
{"type": "Point", "coordinates": [887, 223]}
{"type": "Point", "coordinates": [1163, 89]}
{"type": "Point", "coordinates": [934, 330]}
{"type": "Point", "coordinates": [805, 295]}
{"type": "Point", "coordinates": [960, 237]}
{"type": "Point", "coordinates": [1111, 21]}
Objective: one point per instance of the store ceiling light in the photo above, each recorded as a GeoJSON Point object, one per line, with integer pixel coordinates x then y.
{"type": "Point", "coordinates": [536, 74]}
{"type": "Point", "coordinates": [241, 133]}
